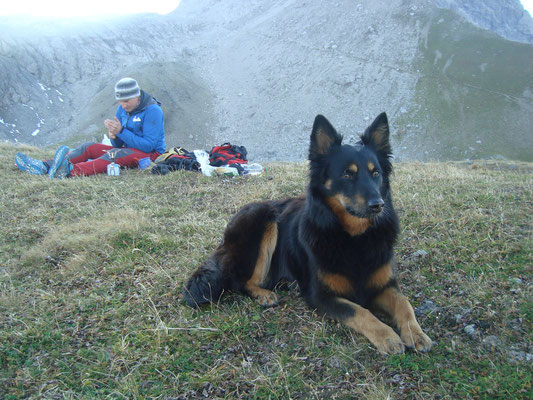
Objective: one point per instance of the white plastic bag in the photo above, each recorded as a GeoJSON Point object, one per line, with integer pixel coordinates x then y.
{"type": "Point", "coordinates": [202, 157]}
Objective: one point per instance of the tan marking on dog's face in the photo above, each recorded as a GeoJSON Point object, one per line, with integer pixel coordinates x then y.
{"type": "Point", "coordinates": [353, 168]}
{"type": "Point", "coordinates": [336, 283]}
{"type": "Point", "coordinates": [358, 201]}
{"type": "Point", "coordinates": [343, 200]}
{"type": "Point", "coordinates": [352, 225]}
{"type": "Point", "coordinates": [381, 277]}
{"type": "Point", "coordinates": [328, 184]}
{"type": "Point", "coordinates": [371, 166]}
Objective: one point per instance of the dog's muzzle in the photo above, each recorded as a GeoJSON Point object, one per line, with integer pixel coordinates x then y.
{"type": "Point", "coordinates": [376, 205]}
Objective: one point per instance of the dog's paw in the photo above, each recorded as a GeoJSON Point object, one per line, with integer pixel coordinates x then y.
{"type": "Point", "coordinates": [389, 343]}
{"type": "Point", "coordinates": [267, 299]}
{"type": "Point", "coordinates": [417, 340]}
{"type": "Point", "coordinates": [423, 343]}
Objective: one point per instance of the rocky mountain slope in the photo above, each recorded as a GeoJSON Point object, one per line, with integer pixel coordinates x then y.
{"type": "Point", "coordinates": [504, 17]}
{"type": "Point", "coordinates": [256, 73]}
{"type": "Point", "coordinates": [58, 76]}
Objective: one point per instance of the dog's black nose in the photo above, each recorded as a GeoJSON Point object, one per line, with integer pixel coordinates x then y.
{"type": "Point", "coordinates": [376, 205]}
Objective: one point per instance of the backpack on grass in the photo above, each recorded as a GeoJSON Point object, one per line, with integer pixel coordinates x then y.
{"type": "Point", "coordinates": [175, 159]}
{"type": "Point", "coordinates": [227, 154]}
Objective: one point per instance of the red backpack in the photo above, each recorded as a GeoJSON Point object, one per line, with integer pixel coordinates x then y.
{"type": "Point", "coordinates": [227, 154]}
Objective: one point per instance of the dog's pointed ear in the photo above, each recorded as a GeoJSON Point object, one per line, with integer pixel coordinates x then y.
{"type": "Point", "coordinates": [377, 134]}
{"type": "Point", "coordinates": [323, 137]}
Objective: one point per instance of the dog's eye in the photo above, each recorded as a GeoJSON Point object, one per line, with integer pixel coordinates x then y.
{"type": "Point", "coordinates": [347, 174]}
{"type": "Point", "coordinates": [375, 174]}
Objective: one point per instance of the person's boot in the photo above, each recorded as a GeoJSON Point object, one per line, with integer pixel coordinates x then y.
{"type": "Point", "coordinates": [31, 165]}
{"type": "Point", "coordinates": [61, 166]}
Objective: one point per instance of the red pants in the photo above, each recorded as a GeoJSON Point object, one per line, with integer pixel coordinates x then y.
{"type": "Point", "coordinates": [100, 158]}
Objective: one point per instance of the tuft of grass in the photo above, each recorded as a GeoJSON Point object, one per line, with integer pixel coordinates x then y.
{"type": "Point", "coordinates": [91, 271]}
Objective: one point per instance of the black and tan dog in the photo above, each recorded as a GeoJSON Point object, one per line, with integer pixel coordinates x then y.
{"type": "Point", "coordinates": [336, 242]}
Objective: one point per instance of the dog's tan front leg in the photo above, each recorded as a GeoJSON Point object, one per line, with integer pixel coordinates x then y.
{"type": "Point", "coordinates": [264, 297]}
{"type": "Point", "coordinates": [381, 335]}
{"type": "Point", "coordinates": [398, 307]}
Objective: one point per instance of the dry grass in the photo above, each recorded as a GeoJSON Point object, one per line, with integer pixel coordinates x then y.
{"type": "Point", "coordinates": [91, 271]}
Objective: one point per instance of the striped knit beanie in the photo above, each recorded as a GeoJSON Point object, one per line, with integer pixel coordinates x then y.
{"type": "Point", "coordinates": [127, 88]}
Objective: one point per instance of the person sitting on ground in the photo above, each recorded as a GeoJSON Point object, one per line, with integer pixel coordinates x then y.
{"type": "Point", "coordinates": [137, 131]}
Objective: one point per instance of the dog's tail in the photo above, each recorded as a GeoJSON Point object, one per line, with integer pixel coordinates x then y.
{"type": "Point", "coordinates": [205, 285]}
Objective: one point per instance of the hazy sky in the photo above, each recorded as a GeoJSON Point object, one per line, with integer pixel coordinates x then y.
{"type": "Point", "coordinates": [528, 5]}
{"type": "Point", "coordinates": [67, 8]}
{"type": "Point", "coordinates": [71, 8]}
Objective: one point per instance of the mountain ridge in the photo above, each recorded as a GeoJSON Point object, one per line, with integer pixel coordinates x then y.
{"type": "Point", "coordinates": [507, 18]}
{"type": "Point", "coordinates": [256, 75]}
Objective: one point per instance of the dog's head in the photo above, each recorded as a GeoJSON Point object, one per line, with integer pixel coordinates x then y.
{"type": "Point", "coordinates": [353, 180]}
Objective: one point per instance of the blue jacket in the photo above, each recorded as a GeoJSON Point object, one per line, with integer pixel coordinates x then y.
{"type": "Point", "coordinates": [144, 128]}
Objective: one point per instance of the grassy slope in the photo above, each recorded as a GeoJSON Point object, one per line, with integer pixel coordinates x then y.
{"type": "Point", "coordinates": [91, 271]}
{"type": "Point", "coordinates": [474, 94]}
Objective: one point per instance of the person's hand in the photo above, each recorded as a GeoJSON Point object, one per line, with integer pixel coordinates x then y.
{"type": "Point", "coordinates": [113, 127]}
